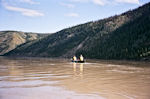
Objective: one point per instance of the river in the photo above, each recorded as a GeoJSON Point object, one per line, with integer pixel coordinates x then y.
{"type": "Point", "coordinates": [45, 78]}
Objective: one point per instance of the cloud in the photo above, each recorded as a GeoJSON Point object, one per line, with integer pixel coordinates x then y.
{"type": "Point", "coordinates": [79, 0]}
{"type": "Point", "coordinates": [24, 11]}
{"type": "Point", "coordinates": [72, 15]}
{"type": "Point", "coordinates": [67, 5]}
{"type": "Point", "coordinates": [99, 2]}
{"type": "Point", "coordinates": [129, 1]}
{"type": "Point", "coordinates": [29, 1]}
{"type": "Point", "coordinates": [104, 2]}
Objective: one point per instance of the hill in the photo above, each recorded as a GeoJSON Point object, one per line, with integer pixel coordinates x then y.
{"type": "Point", "coordinates": [9, 40]}
{"type": "Point", "coordinates": [124, 36]}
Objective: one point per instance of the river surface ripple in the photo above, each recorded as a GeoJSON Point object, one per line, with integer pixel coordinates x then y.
{"type": "Point", "coordinates": [44, 78]}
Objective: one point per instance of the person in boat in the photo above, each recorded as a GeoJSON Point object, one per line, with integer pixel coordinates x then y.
{"type": "Point", "coordinates": [74, 58]}
{"type": "Point", "coordinates": [81, 58]}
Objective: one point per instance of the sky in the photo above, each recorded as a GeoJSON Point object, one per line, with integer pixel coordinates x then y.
{"type": "Point", "coordinates": [50, 16]}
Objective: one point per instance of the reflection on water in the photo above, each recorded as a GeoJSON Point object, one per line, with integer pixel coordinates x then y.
{"type": "Point", "coordinates": [43, 78]}
{"type": "Point", "coordinates": [75, 69]}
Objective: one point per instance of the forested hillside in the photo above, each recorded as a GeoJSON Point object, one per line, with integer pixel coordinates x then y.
{"type": "Point", "coordinates": [130, 41]}
{"type": "Point", "coordinates": [125, 36]}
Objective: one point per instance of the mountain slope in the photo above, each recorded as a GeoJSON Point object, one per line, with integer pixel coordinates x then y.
{"type": "Point", "coordinates": [130, 41]}
{"type": "Point", "coordinates": [124, 36]}
{"type": "Point", "coordinates": [9, 40]}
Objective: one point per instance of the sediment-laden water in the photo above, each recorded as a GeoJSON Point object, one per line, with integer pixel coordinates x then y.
{"type": "Point", "coordinates": [44, 78]}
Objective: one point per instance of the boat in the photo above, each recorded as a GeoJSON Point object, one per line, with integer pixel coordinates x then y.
{"type": "Point", "coordinates": [75, 60]}
{"type": "Point", "coordinates": [78, 61]}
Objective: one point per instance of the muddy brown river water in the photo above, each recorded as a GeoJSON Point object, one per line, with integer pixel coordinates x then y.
{"type": "Point", "coordinates": [44, 78]}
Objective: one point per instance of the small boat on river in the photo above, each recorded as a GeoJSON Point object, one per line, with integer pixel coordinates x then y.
{"type": "Point", "coordinates": [80, 60]}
